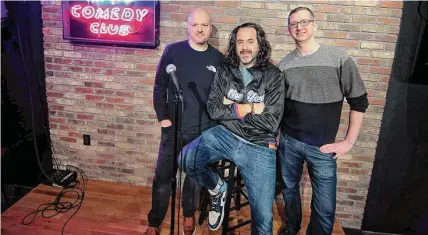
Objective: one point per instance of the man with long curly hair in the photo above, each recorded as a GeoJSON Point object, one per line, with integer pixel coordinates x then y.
{"type": "Point", "coordinates": [247, 99]}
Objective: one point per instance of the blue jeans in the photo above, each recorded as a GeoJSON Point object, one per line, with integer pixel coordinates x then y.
{"type": "Point", "coordinates": [322, 171]}
{"type": "Point", "coordinates": [256, 164]}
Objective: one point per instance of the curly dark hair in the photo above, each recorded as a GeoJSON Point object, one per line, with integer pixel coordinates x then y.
{"type": "Point", "coordinates": [263, 57]}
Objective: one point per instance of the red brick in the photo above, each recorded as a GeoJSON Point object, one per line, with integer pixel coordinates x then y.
{"type": "Point", "coordinates": [385, 38]}
{"type": "Point", "coordinates": [125, 93]}
{"type": "Point", "coordinates": [56, 107]}
{"type": "Point", "coordinates": [76, 69]}
{"type": "Point", "coordinates": [53, 66]}
{"type": "Point", "coordinates": [125, 107]}
{"type": "Point", "coordinates": [376, 101]}
{"type": "Point", "coordinates": [94, 97]}
{"type": "Point", "coordinates": [146, 67]}
{"type": "Point", "coordinates": [106, 155]}
{"type": "Point", "coordinates": [349, 164]}
{"type": "Point", "coordinates": [54, 94]}
{"type": "Point", "coordinates": [379, 70]}
{"type": "Point", "coordinates": [57, 120]}
{"type": "Point", "coordinates": [63, 61]}
{"type": "Point", "coordinates": [106, 131]}
{"type": "Point", "coordinates": [83, 62]}
{"type": "Point", "coordinates": [146, 52]}
{"type": "Point", "coordinates": [104, 92]}
{"type": "Point", "coordinates": [169, 8]}
{"type": "Point", "coordinates": [326, 8]}
{"type": "Point", "coordinates": [388, 20]}
{"type": "Point", "coordinates": [68, 139]}
{"type": "Point", "coordinates": [385, 79]}
{"type": "Point", "coordinates": [227, 19]}
{"type": "Point", "coordinates": [346, 43]}
{"type": "Point", "coordinates": [392, 4]}
{"type": "Point", "coordinates": [75, 134]}
{"type": "Point", "coordinates": [105, 105]}
{"type": "Point", "coordinates": [116, 126]}
{"type": "Point", "coordinates": [103, 64]}
{"type": "Point", "coordinates": [115, 99]}
{"type": "Point", "coordinates": [85, 116]}
{"type": "Point", "coordinates": [178, 17]}
{"type": "Point", "coordinates": [231, 4]}
{"type": "Point", "coordinates": [84, 90]}
{"type": "Point", "coordinates": [335, 34]}
{"type": "Point", "coordinates": [346, 190]}
{"type": "Point", "coordinates": [369, 61]}
{"type": "Point", "coordinates": [94, 84]}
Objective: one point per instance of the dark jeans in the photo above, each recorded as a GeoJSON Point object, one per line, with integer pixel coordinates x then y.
{"type": "Point", "coordinates": [257, 165]}
{"type": "Point", "coordinates": [162, 182]}
{"type": "Point", "coordinates": [322, 171]}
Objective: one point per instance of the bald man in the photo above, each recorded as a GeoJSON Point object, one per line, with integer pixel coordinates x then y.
{"type": "Point", "coordinates": [196, 63]}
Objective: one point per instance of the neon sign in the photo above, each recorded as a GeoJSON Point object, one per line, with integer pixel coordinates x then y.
{"type": "Point", "coordinates": [115, 22]}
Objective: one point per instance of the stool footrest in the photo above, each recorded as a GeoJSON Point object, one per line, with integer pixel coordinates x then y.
{"type": "Point", "coordinates": [242, 204]}
{"type": "Point", "coordinates": [239, 225]}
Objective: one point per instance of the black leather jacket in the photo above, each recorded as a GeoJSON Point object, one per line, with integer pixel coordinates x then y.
{"type": "Point", "coordinates": [267, 86]}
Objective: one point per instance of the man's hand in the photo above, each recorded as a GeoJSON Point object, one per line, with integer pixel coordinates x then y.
{"type": "Point", "coordinates": [165, 123]}
{"type": "Point", "coordinates": [259, 107]}
{"type": "Point", "coordinates": [226, 101]}
{"type": "Point", "coordinates": [339, 148]}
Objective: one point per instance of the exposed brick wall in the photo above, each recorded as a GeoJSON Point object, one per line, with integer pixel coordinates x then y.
{"type": "Point", "coordinates": [107, 92]}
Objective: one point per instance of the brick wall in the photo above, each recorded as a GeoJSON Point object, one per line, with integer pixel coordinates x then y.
{"type": "Point", "coordinates": [107, 92]}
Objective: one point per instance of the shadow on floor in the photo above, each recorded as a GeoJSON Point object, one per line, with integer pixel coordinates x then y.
{"type": "Point", "coordinates": [12, 194]}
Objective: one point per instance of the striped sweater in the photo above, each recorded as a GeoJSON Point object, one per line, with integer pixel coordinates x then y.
{"type": "Point", "coordinates": [316, 86]}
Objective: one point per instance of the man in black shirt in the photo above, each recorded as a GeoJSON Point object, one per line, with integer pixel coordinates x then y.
{"type": "Point", "coordinates": [196, 63]}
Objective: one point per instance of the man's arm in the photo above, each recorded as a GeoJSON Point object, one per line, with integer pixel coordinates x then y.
{"type": "Point", "coordinates": [219, 108]}
{"type": "Point", "coordinates": [270, 118]}
{"type": "Point", "coordinates": [161, 89]}
{"type": "Point", "coordinates": [342, 147]}
{"type": "Point", "coordinates": [353, 89]}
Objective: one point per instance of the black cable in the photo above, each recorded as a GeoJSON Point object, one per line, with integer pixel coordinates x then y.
{"type": "Point", "coordinates": [59, 205]}
{"type": "Point", "coordinates": [32, 108]}
{"type": "Point", "coordinates": [420, 12]}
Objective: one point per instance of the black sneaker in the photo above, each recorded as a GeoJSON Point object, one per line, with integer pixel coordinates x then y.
{"type": "Point", "coordinates": [216, 213]}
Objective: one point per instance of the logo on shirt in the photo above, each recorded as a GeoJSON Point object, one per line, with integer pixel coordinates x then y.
{"type": "Point", "coordinates": [211, 68]}
{"type": "Point", "coordinates": [252, 97]}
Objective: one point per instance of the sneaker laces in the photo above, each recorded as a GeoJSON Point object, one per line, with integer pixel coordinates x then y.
{"type": "Point", "coordinates": [216, 202]}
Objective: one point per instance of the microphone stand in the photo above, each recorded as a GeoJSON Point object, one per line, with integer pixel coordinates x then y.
{"type": "Point", "coordinates": [178, 104]}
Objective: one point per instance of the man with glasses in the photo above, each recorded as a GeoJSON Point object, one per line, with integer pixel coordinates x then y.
{"type": "Point", "coordinates": [317, 79]}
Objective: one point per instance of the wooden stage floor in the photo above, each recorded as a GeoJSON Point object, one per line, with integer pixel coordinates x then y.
{"type": "Point", "coordinates": [108, 208]}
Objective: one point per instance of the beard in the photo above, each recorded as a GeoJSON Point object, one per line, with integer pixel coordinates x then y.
{"type": "Point", "coordinates": [246, 57]}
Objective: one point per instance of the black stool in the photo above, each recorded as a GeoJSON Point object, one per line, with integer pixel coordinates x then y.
{"type": "Point", "coordinates": [235, 186]}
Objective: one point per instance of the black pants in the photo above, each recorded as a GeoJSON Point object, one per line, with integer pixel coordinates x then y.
{"type": "Point", "coordinates": [162, 181]}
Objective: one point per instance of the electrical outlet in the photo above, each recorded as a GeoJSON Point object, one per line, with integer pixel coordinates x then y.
{"type": "Point", "coordinates": [86, 139]}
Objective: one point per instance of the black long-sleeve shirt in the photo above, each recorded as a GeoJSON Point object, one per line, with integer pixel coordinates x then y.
{"type": "Point", "coordinates": [195, 72]}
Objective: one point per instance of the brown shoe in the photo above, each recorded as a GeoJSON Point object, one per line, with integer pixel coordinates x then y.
{"type": "Point", "coordinates": [189, 227]}
{"type": "Point", "coordinates": [152, 231]}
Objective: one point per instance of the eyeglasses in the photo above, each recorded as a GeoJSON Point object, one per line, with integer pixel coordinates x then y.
{"type": "Point", "coordinates": [303, 23]}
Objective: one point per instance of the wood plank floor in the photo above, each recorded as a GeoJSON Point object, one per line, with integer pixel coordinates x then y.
{"type": "Point", "coordinates": [109, 208]}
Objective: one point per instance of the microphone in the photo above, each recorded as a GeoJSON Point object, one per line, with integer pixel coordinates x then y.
{"type": "Point", "coordinates": [170, 69]}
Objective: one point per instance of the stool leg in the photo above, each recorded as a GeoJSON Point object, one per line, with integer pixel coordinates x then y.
{"type": "Point", "coordinates": [230, 186]}
{"type": "Point", "coordinates": [204, 206]}
{"type": "Point", "coordinates": [238, 191]}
